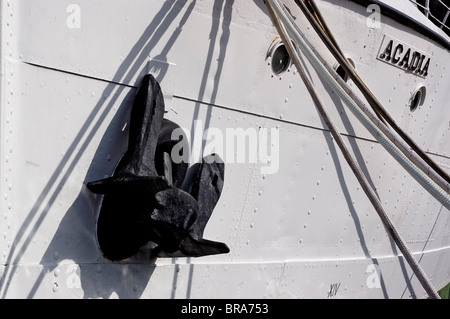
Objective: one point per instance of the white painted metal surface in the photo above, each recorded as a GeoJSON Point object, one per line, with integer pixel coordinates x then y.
{"type": "Point", "coordinates": [68, 72]}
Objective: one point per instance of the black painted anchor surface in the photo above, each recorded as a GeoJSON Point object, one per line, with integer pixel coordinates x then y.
{"type": "Point", "coordinates": [143, 201]}
{"type": "Point", "coordinates": [206, 189]}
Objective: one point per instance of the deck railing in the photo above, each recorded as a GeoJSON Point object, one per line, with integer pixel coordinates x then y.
{"type": "Point", "coordinates": [438, 11]}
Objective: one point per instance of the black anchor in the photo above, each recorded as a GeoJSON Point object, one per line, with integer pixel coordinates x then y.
{"type": "Point", "coordinates": [144, 202]}
{"type": "Point", "coordinates": [206, 188]}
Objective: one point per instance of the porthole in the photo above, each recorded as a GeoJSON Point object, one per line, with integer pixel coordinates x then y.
{"type": "Point", "coordinates": [280, 60]}
{"type": "Point", "coordinates": [341, 72]}
{"type": "Point", "coordinates": [417, 98]}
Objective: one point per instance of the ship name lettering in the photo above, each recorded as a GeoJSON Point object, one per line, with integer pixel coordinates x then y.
{"type": "Point", "coordinates": [409, 59]}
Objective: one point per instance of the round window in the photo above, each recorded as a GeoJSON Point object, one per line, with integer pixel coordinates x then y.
{"type": "Point", "coordinates": [280, 60]}
{"type": "Point", "coordinates": [417, 98]}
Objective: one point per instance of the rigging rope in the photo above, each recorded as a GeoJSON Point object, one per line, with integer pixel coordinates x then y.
{"type": "Point", "coordinates": [279, 18]}
{"type": "Point", "coordinates": [325, 34]}
{"type": "Point", "coordinates": [376, 128]}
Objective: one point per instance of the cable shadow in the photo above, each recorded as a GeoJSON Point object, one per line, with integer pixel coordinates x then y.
{"type": "Point", "coordinates": [226, 8]}
{"type": "Point", "coordinates": [341, 176]}
{"type": "Point", "coordinates": [350, 205]}
{"type": "Point", "coordinates": [219, 7]}
{"type": "Point", "coordinates": [75, 239]}
{"type": "Point", "coordinates": [346, 120]}
{"type": "Point", "coordinates": [131, 66]}
{"type": "Point", "coordinates": [408, 284]}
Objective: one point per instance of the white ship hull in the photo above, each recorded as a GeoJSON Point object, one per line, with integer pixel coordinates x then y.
{"type": "Point", "coordinates": [298, 225]}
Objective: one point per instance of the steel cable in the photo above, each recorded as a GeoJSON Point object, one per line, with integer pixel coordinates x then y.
{"type": "Point", "coordinates": [276, 11]}
{"type": "Point", "coordinates": [324, 33]}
